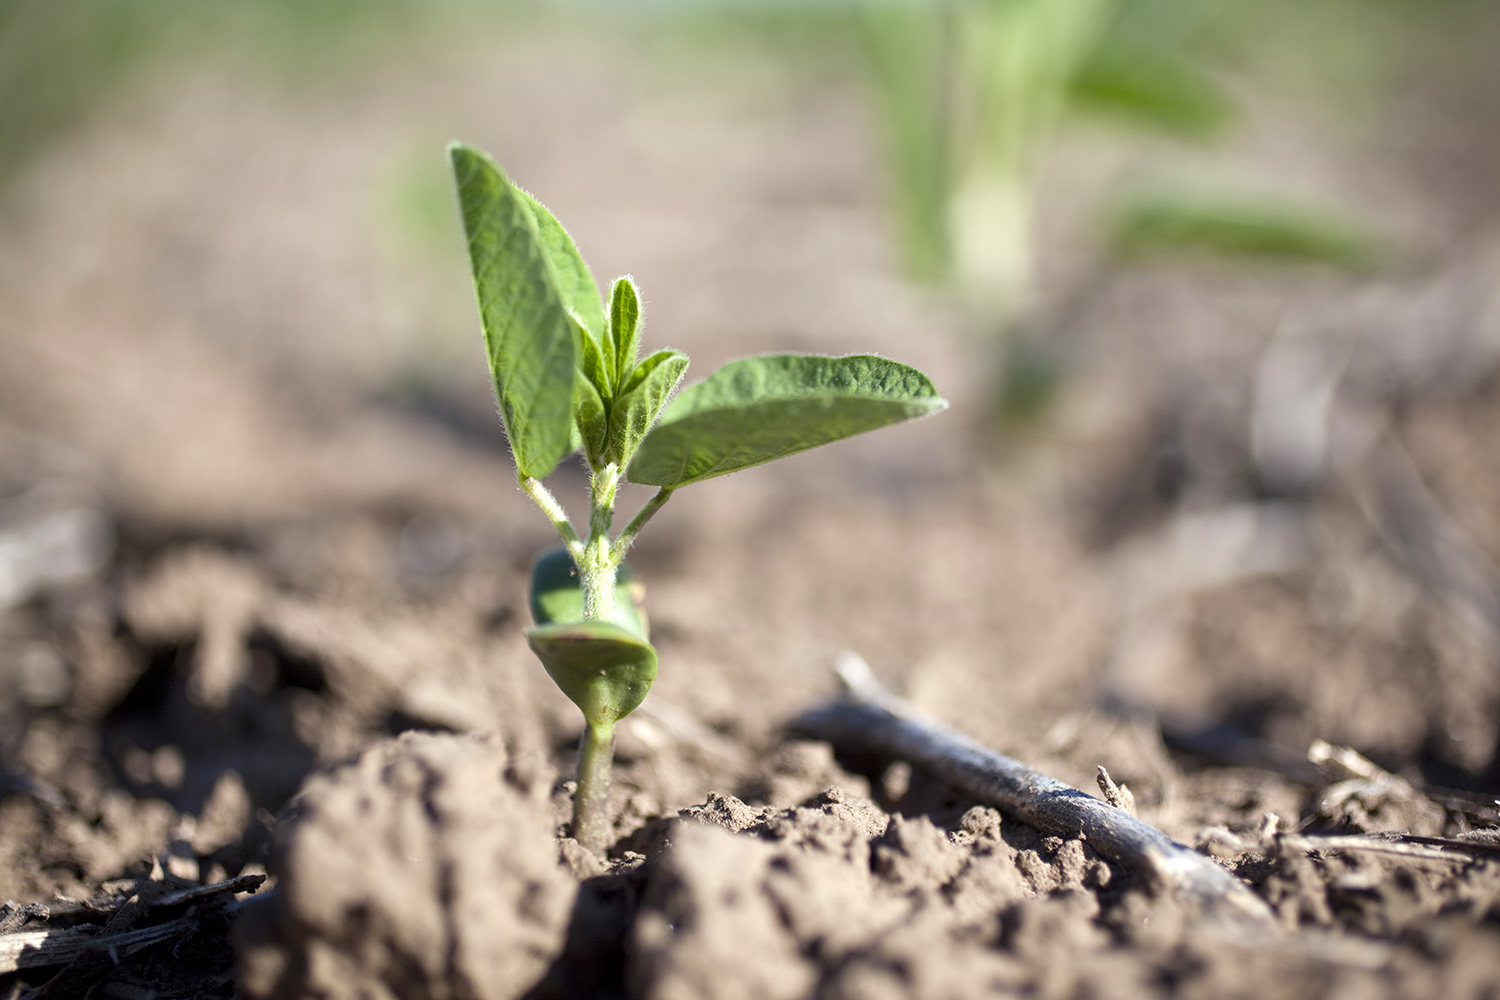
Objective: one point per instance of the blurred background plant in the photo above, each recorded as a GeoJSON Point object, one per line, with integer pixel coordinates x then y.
{"type": "Point", "coordinates": [973, 95]}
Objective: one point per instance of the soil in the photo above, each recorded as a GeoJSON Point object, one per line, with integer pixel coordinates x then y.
{"type": "Point", "coordinates": [262, 570]}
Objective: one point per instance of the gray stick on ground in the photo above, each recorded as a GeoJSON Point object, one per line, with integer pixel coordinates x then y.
{"type": "Point", "coordinates": [872, 720]}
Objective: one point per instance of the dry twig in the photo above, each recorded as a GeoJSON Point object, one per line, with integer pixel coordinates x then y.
{"type": "Point", "coordinates": [41, 948]}
{"type": "Point", "coordinates": [872, 720]}
{"type": "Point", "coordinates": [1406, 847]}
{"type": "Point", "coordinates": [1116, 795]}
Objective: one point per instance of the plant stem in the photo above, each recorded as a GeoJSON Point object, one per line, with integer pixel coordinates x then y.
{"type": "Point", "coordinates": [596, 753]}
{"type": "Point", "coordinates": [559, 517]}
{"type": "Point", "coordinates": [595, 569]}
{"type": "Point", "coordinates": [617, 553]}
{"type": "Point", "coordinates": [590, 802]}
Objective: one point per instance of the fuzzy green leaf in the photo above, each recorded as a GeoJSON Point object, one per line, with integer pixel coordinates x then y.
{"type": "Point", "coordinates": [759, 409]}
{"type": "Point", "coordinates": [625, 329]}
{"type": "Point", "coordinates": [603, 668]}
{"type": "Point", "coordinates": [591, 397]}
{"type": "Point", "coordinates": [527, 332]}
{"type": "Point", "coordinates": [592, 419]}
{"type": "Point", "coordinates": [556, 594]}
{"type": "Point", "coordinates": [641, 401]}
{"type": "Point", "coordinates": [575, 282]}
{"type": "Point", "coordinates": [593, 365]}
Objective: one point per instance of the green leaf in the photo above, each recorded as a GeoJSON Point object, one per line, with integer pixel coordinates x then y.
{"type": "Point", "coordinates": [556, 595]}
{"type": "Point", "coordinates": [591, 398]}
{"type": "Point", "coordinates": [594, 366]}
{"type": "Point", "coordinates": [759, 409]}
{"type": "Point", "coordinates": [625, 328]}
{"type": "Point", "coordinates": [527, 332]}
{"type": "Point", "coordinates": [592, 419]}
{"type": "Point", "coordinates": [604, 669]}
{"type": "Point", "coordinates": [641, 401]}
{"type": "Point", "coordinates": [1239, 224]}
{"type": "Point", "coordinates": [1154, 88]}
{"type": "Point", "coordinates": [575, 282]}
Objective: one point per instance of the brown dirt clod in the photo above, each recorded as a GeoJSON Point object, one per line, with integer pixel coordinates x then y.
{"type": "Point", "coordinates": [418, 870]}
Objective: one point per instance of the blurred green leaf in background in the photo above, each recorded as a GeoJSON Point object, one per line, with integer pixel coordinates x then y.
{"type": "Point", "coordinates": [1239, 224]}
{"type": "Point", "coordinates": [1152, 88]}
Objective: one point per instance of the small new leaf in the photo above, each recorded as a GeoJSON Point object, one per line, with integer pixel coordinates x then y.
{"type": "Point", "coordinates": [528, 334]}
{"type": "Point", "coordinates": [625, 329]}
{"type": "Point", "coordinates": [591, 396]}
{"type": "Point", "coordinates": [759, 409]}
{"type": "Point", "coordinates": [592, 418]}
{"type": "Point", "coordinates": [594, 366]}
{"type": "Point", "coordinates": [641, 400]}
{"type": "Point", "coordinates": [575, 282]}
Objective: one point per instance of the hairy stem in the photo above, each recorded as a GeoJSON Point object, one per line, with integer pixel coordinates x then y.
{"type": "Point", "coordinates": [555, 513]}
{"type": "Point", "coordinates": [595, 568]}
{"type": "Point", "coordinates": [596, 753]}
{"type": "Point", "coordinates": [590, 802]}
{"type": "Point", "coordinates": [617, 553]}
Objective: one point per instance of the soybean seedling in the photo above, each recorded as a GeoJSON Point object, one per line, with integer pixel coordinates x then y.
{"type": "Point", "coordinates": [569, 377]}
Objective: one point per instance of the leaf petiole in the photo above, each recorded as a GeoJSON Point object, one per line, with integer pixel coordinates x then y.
{"type": "Point", "coordinates": [617, 551]}
{"type": "Point", "coordinates": [544, 499]}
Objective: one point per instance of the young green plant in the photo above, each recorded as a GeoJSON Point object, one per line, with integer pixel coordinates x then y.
{"type": "Point", "coordinates": [569, 378]}
{"type": "Point", "coordinates": [973, 95]}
